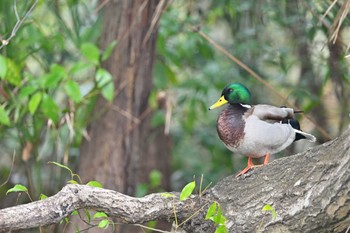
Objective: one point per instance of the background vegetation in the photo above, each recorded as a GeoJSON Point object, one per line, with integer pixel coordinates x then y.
{"type": "Point", "coordinates": [51, 75]}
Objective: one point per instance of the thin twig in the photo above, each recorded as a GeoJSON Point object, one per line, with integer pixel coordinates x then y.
{"type": "Point", "coordinates": [161, 7]}
{"type": "Point", "coordinates": [316, 15]}
{"type": "Point", "coordinates": [194, 214]}
{"type": "Point", "coordinates": [348, 230]}
{"type": "Point", "coordinates": [260, 79]}
{"type": "Point", "coordinates": [151, 228]}
{"type": "Point", "coordinates": [127, 114]}
{"type": "Point", "coordinates": [328, 9]}
{"type": "Point", "coordinates": [338, 21]}
{"type": "Point", "coordinates": [8, 177]}
{"type": "Point", "coordinates": [101, 5]}
{"type": "Point", "coordinates": [18, 23]}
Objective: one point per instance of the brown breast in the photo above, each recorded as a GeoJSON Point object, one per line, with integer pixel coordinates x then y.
{"type": "Point", "coordinates": [230, 125]}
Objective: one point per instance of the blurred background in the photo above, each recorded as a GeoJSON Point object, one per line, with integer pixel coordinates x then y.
{"type": "Point", "coordinates": [119, 91]}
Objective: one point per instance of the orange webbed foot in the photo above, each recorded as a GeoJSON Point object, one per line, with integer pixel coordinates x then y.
{"type": "Point", "coordinates": [251, 165]}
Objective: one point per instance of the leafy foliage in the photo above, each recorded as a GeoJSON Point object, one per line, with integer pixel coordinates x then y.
{"type": "Point", "coordinates": [17, 188]}
{"type": "Point", "coordinates": [214, 213]}
{"type": "Point", "coordinates": [46, 85]}
{"type": "Point", "coordinates": [187, 190]}
{"type": "Point", "coordinates": [51, 75]}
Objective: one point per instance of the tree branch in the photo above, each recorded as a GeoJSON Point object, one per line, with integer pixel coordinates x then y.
{"type": "Point", "coordinates": [18, 24]}
{"type": "Point", "coordinates": [73, 197]}
{"type": "Point", "coordinates": [309, 191]}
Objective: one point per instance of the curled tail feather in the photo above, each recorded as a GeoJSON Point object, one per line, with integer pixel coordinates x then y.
{"type": "Point", "coordinates": [307, 136]}
{"type": "Point", "coordinates": [299, 134]}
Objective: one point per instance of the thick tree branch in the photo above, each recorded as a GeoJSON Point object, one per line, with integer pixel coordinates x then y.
{"type": "Point", "coordinates": [309, 191]}
{"type": "Point", "coordinates": [73, 197]}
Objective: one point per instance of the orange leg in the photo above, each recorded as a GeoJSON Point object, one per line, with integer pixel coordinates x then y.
{"type": "Point", "coordinates": [267, 157]}
{"type": "Point", "coordinates": [249, 166]}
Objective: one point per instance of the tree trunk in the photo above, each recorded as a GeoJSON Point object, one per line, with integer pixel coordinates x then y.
{"type": "Point", "coordinates": [116, 154]}
{"type": "Point", "coordinates": [123, 147]}
{"type": "Point", "coordinates": [310, 192]}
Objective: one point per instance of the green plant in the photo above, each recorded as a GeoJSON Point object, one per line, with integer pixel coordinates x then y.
{"type": "Point", "coordinates": [269, 208]}
{"type": "Point", "coordinates": [214, 214]}
{"type": "Point", "coordinates": [101, 218]}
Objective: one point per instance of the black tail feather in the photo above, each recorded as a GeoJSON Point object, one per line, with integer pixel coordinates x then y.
{"type": "Point", "coordinates": [295, 124]}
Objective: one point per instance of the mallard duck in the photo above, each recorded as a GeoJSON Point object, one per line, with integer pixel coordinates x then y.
{"type": "Point", "coordinates": [255, 131]}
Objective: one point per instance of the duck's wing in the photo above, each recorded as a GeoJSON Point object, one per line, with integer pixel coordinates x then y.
{"type": "Point", "coordinates": [271, 113]}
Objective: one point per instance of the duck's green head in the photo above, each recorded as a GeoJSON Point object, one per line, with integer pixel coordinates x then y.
{"type": "Point", "coordinates": [233, 93]}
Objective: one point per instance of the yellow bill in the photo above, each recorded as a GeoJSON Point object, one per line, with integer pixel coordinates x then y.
{"type": "Point", "coordinates": [219, 103]}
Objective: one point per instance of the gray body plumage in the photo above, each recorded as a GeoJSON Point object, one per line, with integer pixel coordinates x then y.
{"type": "Point", "coordinates": [257, 130]}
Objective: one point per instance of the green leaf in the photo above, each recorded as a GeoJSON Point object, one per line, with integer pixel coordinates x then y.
{"type": "Point", "coordinates": [73, 91]}
{"type": "Point", "coordinates": [152, 224]}
{"type": "Point", "coordinates": [4, 117]}
{"type": "Point", "coordinates": [269, 208]}
{"type": "Point", "coordinates": [77, 229]}
{"type": "Point", "coordinates": [94, 183]}
{"type": "Point", "coordinates": [75, 212]}
{"type": "Point", "coordinates": [17, 188]}
{"type": "Point", "coordinates": [103, 77]}
{"type": "Point", "coordinates": [72, 182]}
{"type": "Point", "coordinates": [13, 74]}
{"type": "Point", "coordinates": [26, 91]}
{"type": "Point", "coordinates": [187, 190]}
{"type": "Point", "coordinates": [105, 83]}
{"type": "Point", "coordinates": [108, 92]}
{"type": "Point", "coordinates": [141, 190]}
{"type": "Point", "coordinates": [221, 229]}
{"type": "Point", "coordinates": [109, 50]}
{"type": "Point", "coordinates": [57, 73]}
{"type": "Point", "coordinates": [211, 211]}
{"type": "Point", "coordinates": [80, 67]}
{"type": "Point", "coordinates": [61, 165]}
{"type": "Point", "coordinates": [219, 218]}
{"type": "Point", "coordinates": [90, 52]}
{"type": "Point", "coordinates": [100, 215]}
{"type": "Point", "coordinates": [163, 75]}
{"type": "Point", "coordinates": [50, 108]}
{"type": "Point", "coordinates": [42, 196]}
{"type": "Point", "coordinates": [3, 66]}
{"type": "Point", "coordinates": [88, 216]}
{"type": "Point", "coordinates": [153, 99]}
{"type": "Point", "coordinates": [160, 80]}
{"type": "Point", "coordinates": [167, 195]}
{"type": "Point", "coordinates": [103, 224]}
{"type": "Point", "coordinates": [158, 118]}
{"type": "Point", "coordinates": [155, 178]}
{"type": "Point", "coordinates": [34, 102]}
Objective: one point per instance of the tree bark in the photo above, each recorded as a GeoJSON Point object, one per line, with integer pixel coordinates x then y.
{"type": "Point", "coordinates": [310, 192]}
{"type": "Point", "coordinates": [117, 153]}
{"type": "Point", "coordinates": [124, 148]}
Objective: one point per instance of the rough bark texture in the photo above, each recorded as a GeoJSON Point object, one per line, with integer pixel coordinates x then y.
{"type": "Point", "coordinates": [123, 148]}
{"type": "Point", "coordinates": [309, 191]}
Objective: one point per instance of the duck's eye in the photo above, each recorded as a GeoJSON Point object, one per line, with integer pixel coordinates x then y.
{"type": "Point", "coordinates": [230, 90]}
